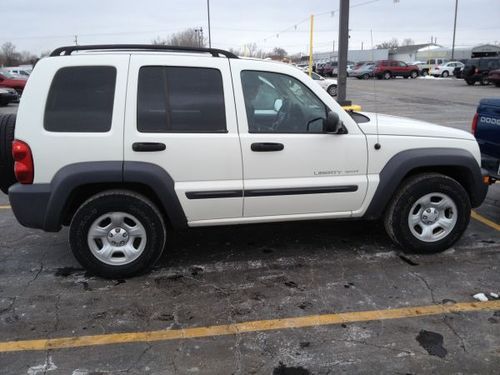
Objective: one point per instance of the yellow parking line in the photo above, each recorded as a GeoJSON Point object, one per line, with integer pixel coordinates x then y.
{"type": "Point", "coordinates": [485, 221]}
{"type": "Point", "coordinates": [5, 207]}
{"type": "Point", "coordinates": [245, 327]}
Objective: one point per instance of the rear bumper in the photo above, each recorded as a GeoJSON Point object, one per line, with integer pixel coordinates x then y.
{"type": "Point", "coordinates": [30, 205]}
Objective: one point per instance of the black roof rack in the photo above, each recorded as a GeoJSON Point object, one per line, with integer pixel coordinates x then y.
{"type": "Point", "coordinates": [65, 51]}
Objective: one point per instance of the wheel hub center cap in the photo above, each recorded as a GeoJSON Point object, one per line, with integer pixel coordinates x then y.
{"type": "Point", "coordinates": [430, 215]}
{"type": "Point", "coordinates": [118, 236]}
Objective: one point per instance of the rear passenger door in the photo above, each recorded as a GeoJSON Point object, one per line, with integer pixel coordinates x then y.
{"type": "Point", "coordinates": [181, 117]}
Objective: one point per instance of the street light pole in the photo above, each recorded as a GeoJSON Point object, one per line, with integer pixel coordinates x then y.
{"type": "Point", "coordinates": [342, 52]}
{"type": "Point", "coordinates": [454, 31]}
{"type": "Point", "coordinates": [209, 35]}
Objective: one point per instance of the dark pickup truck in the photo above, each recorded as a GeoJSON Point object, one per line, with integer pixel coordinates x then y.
{"type": "Point", "coordinates": [486, 129]}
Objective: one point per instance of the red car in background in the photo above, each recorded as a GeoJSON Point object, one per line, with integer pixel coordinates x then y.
{"type": "Point", "coordinates": [494, 77]}
{"type": "Point", "coordinates": [13, 82]}
{"type": "Point", "coordinates": [388, 69]}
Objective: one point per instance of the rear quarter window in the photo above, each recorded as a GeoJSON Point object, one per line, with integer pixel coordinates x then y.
{"type": "Point", "coordinates": [81, 99]}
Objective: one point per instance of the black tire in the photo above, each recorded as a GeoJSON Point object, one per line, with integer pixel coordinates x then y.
{"type": "Point", "coordinates": [497, 84]}
{"type": "Point", "coordinates": [470, 82]}
{"type": "Point", "coordinates": [445, 74]}
{"type": "Point", "coordinates": [425, 72]}
{"type": "Point", "coordinates": [7, 177]}
{"type": "Point", "coordinates": [122, 201]}
{"type": "Point", "coordinates": [366, 76]}
{"type": "Point", "coordinates": [411, 190]}
{"type": "Point", "coordinates": [332, 90]}
{"type": "Point", "coordinates": [387, 75]}
{"type": "Point", "coordinates": [413, 74]}
{"type": "Point", "coordinates": [484, 81]}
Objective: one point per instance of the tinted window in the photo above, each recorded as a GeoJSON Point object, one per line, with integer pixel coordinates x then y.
{"type": "Point", "coordinates": [277, 103]}
{"type": "Point", "coordinates": [179, 99]}
{"type": "Point", "coordinates": [81, 99]}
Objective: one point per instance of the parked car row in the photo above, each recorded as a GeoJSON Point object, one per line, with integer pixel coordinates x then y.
{"type": "Point", "coordinates": [385, 69]}
{"type": "Point", "coordinates": [8, 80]}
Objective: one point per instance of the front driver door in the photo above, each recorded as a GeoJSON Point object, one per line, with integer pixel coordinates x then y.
{"type": "Point", "coordinates": [290, 166]}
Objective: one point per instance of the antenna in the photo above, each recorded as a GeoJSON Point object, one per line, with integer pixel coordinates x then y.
{"type": "Point", "coordinates": [377, 145]}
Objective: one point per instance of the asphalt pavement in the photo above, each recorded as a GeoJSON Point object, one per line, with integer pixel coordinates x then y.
{"type": "Point", "coordinates": [317, 297]}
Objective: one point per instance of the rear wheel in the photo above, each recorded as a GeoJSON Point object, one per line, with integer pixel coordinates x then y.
{"type": "Point", "coordinates": [497, 84]}
{"type": "Point", "coordinates": [470, 82]}
{"type": "Point", "coordinates": [445, 74]}
{"type": "Point", "coordinates": [117, 234]}
{"type": "Point", "coordinates": [414, 74]}
{"type": "Point", "coordinates": [7, 177]}
{"type": "Point", "coordinates": [428, 214]}
{"type": "Point", "coordinates": [387, 75]}
{"type": "Point", "coordinates": [366, 76]}
{"type": "Point", "coordinates": [485, 81]}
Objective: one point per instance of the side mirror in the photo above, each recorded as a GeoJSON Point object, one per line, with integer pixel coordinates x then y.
{"type": "Point", "coordinates": [332, 124]}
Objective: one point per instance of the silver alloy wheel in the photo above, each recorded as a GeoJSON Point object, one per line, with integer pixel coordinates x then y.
{"type": "Point", "coordinates": [116, 238]}
{"type": "Point", "coordinates": [387, 75]}
{"type": "Point", "coordinates": [432, 217]}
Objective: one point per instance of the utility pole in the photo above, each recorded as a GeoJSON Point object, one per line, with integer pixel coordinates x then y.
{"type": "Point", "coordinates": [209, 34]}
{"type": "Point", "coordinates": [333, 50]}
{"type": "Point", "coordinates": [342, 54]}
{"type": "Point", "coordinates": [76, 40]}
{"type": "Point", "coordinates": [454, 31]}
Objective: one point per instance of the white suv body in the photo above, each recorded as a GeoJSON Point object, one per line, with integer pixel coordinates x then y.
{"type": "Point", "coordinates": [250, 168]}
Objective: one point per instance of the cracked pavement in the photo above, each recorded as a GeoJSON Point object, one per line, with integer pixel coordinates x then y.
{"type": "Point", "coordinates": [214, 276]}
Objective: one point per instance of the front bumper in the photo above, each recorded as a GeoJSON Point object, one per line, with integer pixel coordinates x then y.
{"type": "Point", "coordinates": [9, 98]}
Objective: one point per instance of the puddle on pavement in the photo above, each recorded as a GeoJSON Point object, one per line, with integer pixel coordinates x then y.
{"type": "Point", "coordinates": [432, 342]}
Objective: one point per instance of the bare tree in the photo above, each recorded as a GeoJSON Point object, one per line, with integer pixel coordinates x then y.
{"type": "Point", "coordinates": [187, 38]}
{"type": "Point", "coordinates": [279, 52]}
{"type": "Point", "coordinates": [8, 54]}
{"type": "Point", "coordinates": [408, 42]}
{"type": "Point", "coordinates": [391, 44]}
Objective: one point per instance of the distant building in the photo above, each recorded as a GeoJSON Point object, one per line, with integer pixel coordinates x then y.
{"type": "Point", "coordinates": [486, 50]}
{"type": "Point", "coordinates": [352, 56]}
{"type": "Point", "coordinates": [408, 53]}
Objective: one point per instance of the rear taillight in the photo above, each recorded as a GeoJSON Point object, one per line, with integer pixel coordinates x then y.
{"type": "Point", "coordinates": [474, 123]}
{"type": "Point", "coordinates": [23, 162]}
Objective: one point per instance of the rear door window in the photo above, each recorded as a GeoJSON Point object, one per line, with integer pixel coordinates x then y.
{"type": "Point", "coordinates": [81, 99]}
{"type": "Point", "coordinates": [180, 99]}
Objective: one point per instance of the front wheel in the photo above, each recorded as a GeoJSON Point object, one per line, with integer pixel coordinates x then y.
{"type": "Point", "coordinates": [428, 214]}
{"type": "Point", "coordinates": [117, 234]}
{"type": "Point", "coordinates": [414, 74]}
{"type": "Point", "coordinates": [485, 81]}
{"type": "Point", "coordinates": [445, 74]}
{"type": "Point", "coordinates": [332, 90]}
{"type": "Point", "coordinates": [387, 75]}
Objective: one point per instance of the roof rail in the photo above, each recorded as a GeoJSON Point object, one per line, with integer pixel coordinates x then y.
{"type": "Point", "coordinates": [65, 51]}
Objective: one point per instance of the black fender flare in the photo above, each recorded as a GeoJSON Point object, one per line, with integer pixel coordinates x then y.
{"type": "Point", "coordinates": [43, 205]}
{"type": "Point", "coordinates": [404, 162]}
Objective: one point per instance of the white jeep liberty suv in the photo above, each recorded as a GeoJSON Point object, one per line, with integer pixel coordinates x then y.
{"type": "Point", "coordinates": [118, 142]}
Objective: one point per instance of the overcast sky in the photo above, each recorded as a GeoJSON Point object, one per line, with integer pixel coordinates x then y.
{"type": "Point", "coordinates": [44, 25]}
